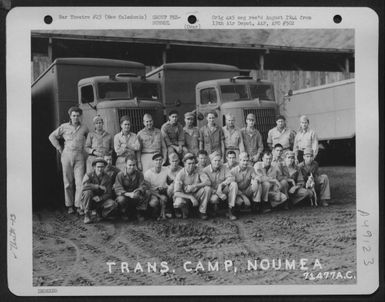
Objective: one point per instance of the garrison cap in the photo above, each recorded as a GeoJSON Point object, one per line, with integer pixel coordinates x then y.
{"type": "Point", "coordinates": [308, 151]}
{"type": "Point", "coordinates": [189, 114]}
{"type": "Point", "coordinates": [250, 115]}
{"type": "Point", "coordinates": [304, 118]}
{"type": "Point", "coordinates": [289, 154]}
{"type": "Point", "coordinates": [99, 160]}
{"type": "Point", "coordinates": [97, 119]}
{"type": "Point", "coordinates": [214, 155]}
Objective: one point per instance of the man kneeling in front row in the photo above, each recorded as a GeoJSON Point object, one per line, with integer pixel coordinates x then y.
{"type": "Point", "coordinates": [130, 190]}
{"type": "Point", "coordinates": [191, 188]}
{"type": "Point", "coordinates": [97, 192]}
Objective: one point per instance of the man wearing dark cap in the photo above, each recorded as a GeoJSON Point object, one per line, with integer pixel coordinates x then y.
{"type": "Point", "coordinates": [252, 139]}
{"type": "Point", "coordinates": [156, 183]}
{"type": "Point", "coordinates": [191, 188]}
{"type": "Point", "coordinates": [223, 184]}
{"type": "Point", "coordinates": [191, 134]}
{"type": "Point", "coordinates": [72, 156]}
{"type": "Point", "coordinates": [281, 135]}
{"type": "Point", "coordinates": [97, 192]}
{"type": "Point", "coordinates": [173, 134]}
{"type": "Point", "coordinates": [130, 190]}
{"type": "Point", "coordinates": [310, 167]}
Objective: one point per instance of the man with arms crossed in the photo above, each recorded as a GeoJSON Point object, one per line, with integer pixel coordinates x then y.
{"type": "Point", "coordinates": [281, 135]}
{"type": "Point", "coordinates": [252, 139]}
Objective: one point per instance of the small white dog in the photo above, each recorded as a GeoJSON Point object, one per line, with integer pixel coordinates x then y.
{"type": "Point", "coordinates": [310, 184]}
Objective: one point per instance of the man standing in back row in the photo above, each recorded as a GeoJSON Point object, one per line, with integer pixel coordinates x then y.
{"type": "Point", "coordinates": [281, 135]}
{"type": "Point", "coordinates": [252, 139]}
{"type": "Point", "coordinates": [72, 156]}
{"type": "Point", "coordinates": [173, 135]}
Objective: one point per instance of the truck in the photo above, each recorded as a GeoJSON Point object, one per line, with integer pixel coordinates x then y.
{"type": "Point", "coordinates": [111, 88]}
{"type": "Point", "coordinates": [331, 111]}
{"type": "Point", "coordinates": [203, 87]}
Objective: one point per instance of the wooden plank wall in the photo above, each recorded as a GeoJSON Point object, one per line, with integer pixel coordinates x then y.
{"type": "Point", "coordinates": [284, 80]}
{"type": "Point", "coordinates": [39, 63]}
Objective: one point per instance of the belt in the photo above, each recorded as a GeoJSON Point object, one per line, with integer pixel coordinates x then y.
{"type": "Point", "coordinates": [152, 152]}
{"type": "Point", "coordinates": [232, 148]}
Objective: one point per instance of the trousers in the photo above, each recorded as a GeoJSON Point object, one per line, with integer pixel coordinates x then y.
{"type": "Point", "coordinates": [73, 164]}
{"type": "Point", "coordinates": [202, 195]}
{"type": "Point", "coordinates": [106, 207]}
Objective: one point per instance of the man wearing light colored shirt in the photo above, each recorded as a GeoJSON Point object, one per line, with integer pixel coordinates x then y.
{"type": "Point", "coordinates": [233, 137]}
{"type": "Point", "coordinates": [191, 188]}
{"type": "Point", "coordinates": [151, 142]}
{"type": "Point", "coordinates": [211, 136]}
{"type": "Point", "coordinates": [72, 157]}
{"type": "Point", "coordinates": [99, 143]}
{"type": "Point", "coordinates": [280, 135]}
{"type": "Point", "coordinates": [305, 138]}
{"type": "Point", "coordinates": [125, 143]}
{"type": "Point", "coordinates": [222, 183]}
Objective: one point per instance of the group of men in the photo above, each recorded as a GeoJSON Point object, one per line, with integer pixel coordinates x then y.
{"type": "Point", "coordinates": [208, 169]}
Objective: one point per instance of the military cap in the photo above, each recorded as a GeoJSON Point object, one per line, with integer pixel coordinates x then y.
{"type": "Point", "coordinates": [189, 114]}
{"type": "Point", "coordinates": [97, 119]}
{"type": "Point", "coordinates": [289, 154]}
{"type": "Point", "coordinates": [99, 160]}
{"type": "Point", "coordinates": [308, 151]}
{"type": "Point", "coordinates": [214, 155]}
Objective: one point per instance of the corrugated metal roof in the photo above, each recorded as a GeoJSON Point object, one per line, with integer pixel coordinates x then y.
{"type": "Point", "coordinates": [290, 39]}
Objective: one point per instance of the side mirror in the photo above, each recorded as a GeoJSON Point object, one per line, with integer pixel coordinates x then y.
{"type": "Point", "coordinates": [200, 116]}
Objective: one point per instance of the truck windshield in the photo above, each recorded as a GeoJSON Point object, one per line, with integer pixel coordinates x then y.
{"type": "Point", "coordinates": [262, 92]}
{"type": "Point", "coordinates": [233, 92]}
{"type": "Point", "coordinates": [145, 91]}
{"type": "Point", "coordinates": [113, 90]}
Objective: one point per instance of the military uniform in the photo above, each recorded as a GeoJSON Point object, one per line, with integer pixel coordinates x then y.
{"type": "Point", "coordinates": [124, 145]}
{"type": "Point", "coordinates": [151, 142]}
{"type": "Point", "coordinates": [100, 142]}
{"type": "Point", "coordinates": [252, 141]}
{"type": "Point", "coordinates": [212, 140]}
{"type": "Point", "coordinates": [233, 141]}
{"type": "Point", "coordinates": [72, 159]}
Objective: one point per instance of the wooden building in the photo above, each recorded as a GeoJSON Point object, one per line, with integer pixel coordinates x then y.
{"type": "Point", "coordinates": [290, 58]}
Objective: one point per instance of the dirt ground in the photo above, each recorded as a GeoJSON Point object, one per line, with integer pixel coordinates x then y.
{"type": "Point", "coordinates": [66, 252]}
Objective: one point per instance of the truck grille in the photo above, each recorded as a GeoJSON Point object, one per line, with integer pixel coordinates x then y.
{"type": "Point", "coordinates": [136, 117]}
{"type": "Point", "coordinates": [265, 120]}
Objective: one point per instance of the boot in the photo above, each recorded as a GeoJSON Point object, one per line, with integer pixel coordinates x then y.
{"type": "Point", "coordinates": [87, 218]}
{"type": "Point", "coordinates": [203, 216]}
{"type": "Point", "coordinates": [184, 212]}
{"type": "Point", "coordinates": [231, 214]}
{"type": "Point", "coordinates": [324, 203]}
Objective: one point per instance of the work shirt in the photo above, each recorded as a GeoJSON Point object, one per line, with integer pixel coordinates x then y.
{"type": "Point", "coordinates": [306, 170]}
{"type": "Point", "coordinates": [211, 139]}
{"type": "Point", "coordinates": [184, 179]}
{"type": "Point", "coordinates": [277, 162]}
{"type": "Point", "coordinates": [111, 171]}
{"type": "Point", "coordinates": [100, 142]}
{"type": "Point", "coordinates": [293, 173]}
{"type": "Point", "coordinates": [173, 134]}
{"type": "Point", "coordinates": [128, 182]}
{"type": "Point", "coordinates": [306, 139]}
{"type": "Point", "coordinates": [156, 180]}
{"type": "Point", "coordinates": [74, 136]}
{"type": "Point", "coordinates": [220, 175]}
{"type": "Point", "coordinates": [266, 173]}
{"type": "Point", "coordinates": [91, 182]}
{"type": "Point", "coordinates": [233, 139]}
{"type": "Point", "coordinates": [191, 139]}
{"type": "Point", "coordinates": [230, 167]}
{"type": "Point", "coordinates": [171, 175]}
{"type": "Point", "coordinates": [126, 144]}
{"type": "Point", "coordinates": [150, 140]}
{"type": "Point", "coordinates": [252, 141]}
{"type": "Point", "coordinates": [284, 137]}
{"type": "Point", "coordinates": [243, 177]}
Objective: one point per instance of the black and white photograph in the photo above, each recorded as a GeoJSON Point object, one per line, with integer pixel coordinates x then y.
{"type": "Point", "coordinates": [194, 156]}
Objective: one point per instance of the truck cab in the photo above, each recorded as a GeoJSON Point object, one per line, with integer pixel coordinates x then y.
{"type": "Point", "coordinates": [120, 94]}
{"type": "Point", "coordinates": [239, 95]}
